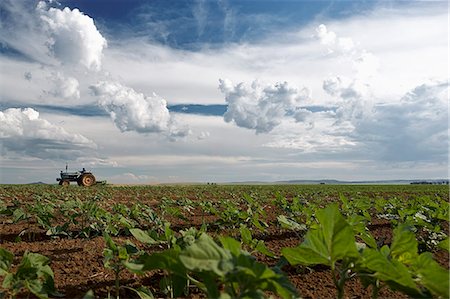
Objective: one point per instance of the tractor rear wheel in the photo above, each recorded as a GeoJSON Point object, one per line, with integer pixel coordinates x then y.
{"type": "Point", "coordinates": [87, 180]}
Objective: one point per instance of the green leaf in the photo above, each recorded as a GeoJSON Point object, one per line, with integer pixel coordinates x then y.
{"type": "Point", "coordinates": [344, 201]}
{"type": "Point", "coordinates": [209, 284]}
{"type": "Point", "coordinates": [123, 254]}
{"type": "Point", "coordinates": [224, 296]}
{"type": "Point", "coordinates": [179, 284]}
{"type": "Point", "coordinates": [391, 271]}
{"type": "Point", "coordinates": [444, 244]}
{"type": "Point", "coordinates": [290, 224]}
{"type": "Point", "coordinates": [385, 251]}
{"type": "Point", "coordinates": [109, 242]}
{"type": "Point", "coordinates": [89, 295]}
{"type": "Point", "coordinates": [19, 214]}
{"type": "Point", "coordinates": [357, 222]}
{"type": "Point", "coordinates": [125, 222]}
{"type": "Point", "coordinates": [254, 278]}
{"type": "Point", "coordinates": [333, 240]}
{"type": "Point", "coordinates": [246, 235]}
{"type": "Point", "coordinates": [133, 267]}
{"type": "Point", "coordinates": [37, 260]}
{"type": "Point", "coordinates": [205, 255]}
{"type": "Point", "coordinates": [6, 259]}
{"type": "Point", "coordinates": [8, 280]}
{"type": "Point", "coordinates": [404, 244]}
{"type": "Point", "coordinates": [259, 224]}
{"type": "Point", "coordinates": [431, 275]}
{"type": "Point", "coordinates": [168, 232]}
{"type": "Point", "coordinates": [261, 247]}
{"type": "Point", "coordinates": [311, 252]}
{"type": "Point", "coordinates": [35, 287]}
{"type": "Point", "coordinates": [142, 292]}
{"type": "Point", "coordinates": [166, 260]}
{"type": "Point", "coordinates": [143, 236]}
{"type": "Point", "coordinates": [231, 244]}
{"type": "Point", "coordinates": [367, 237]}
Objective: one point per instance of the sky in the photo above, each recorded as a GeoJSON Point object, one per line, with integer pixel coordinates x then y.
{"type": "Point", "coordinates": [147, 92]}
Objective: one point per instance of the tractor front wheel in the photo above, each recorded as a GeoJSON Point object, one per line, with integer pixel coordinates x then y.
{"type": "Point", "coordinates": [86, 180]}
{"type": "Point", "coordinates": [64, 183]}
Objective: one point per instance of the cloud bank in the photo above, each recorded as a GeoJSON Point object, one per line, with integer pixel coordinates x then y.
{"type": "Point", "coordinates": [413, 129]}
{"type": "Point", "coordinates": [23, 132]}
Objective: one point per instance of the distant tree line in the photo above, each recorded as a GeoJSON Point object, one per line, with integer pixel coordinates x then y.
{"type": "Point", "coordinates": [444, 182]}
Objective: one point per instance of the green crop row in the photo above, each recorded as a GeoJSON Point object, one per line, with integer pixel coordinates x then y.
{"type": "Point", "coordinates": [228, 266]}
{"type": "Point", "coordinates": [73, 217]}
{"type": "Point", "coordinates": [223, 269]}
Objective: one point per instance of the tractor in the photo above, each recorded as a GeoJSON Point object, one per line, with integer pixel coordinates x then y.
{"type": "Point", "coordinates": [82, 177]}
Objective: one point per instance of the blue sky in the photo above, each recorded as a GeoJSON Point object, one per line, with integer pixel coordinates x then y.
{"type": "Point", "coordinates": [191, 24]}
{"type": "Point", "coordinates": [219, 91]}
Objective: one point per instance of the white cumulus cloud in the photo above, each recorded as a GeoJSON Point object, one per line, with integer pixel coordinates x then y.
{"type": "Point", "coordinates": [261, 107]}
{"type": "Point", "coordinates": [51, 35]}
{"type": "Point", "coordinates": [23, 131]}
{"type": "Point", "coordinates": [344, 87]}
{"type": "Point", "coordinates": [333, 42]}
{"type": "Point", "coordinates": [363, 62]}
{"type": "Point", "coordinates": [134, 111]}
{"type": "Point", "coordinates": [73, 37]}
{"type": "Point", "coordinates": [353, 97]}
{"type": "Point", "coordinates": [64, 87]}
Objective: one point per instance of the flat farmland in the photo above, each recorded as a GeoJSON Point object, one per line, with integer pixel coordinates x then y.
{"type": "Point", "coordinates": [228, 241]}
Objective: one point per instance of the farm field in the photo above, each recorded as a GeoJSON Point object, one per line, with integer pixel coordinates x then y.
{"type": "Point", "coordinates": [309, 241]}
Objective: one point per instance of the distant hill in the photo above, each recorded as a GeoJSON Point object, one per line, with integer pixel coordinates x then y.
{"type": "Point", "coordinates": [338, 182]}
{"type": "Point", "coordinates": [377, 182]}
{"type": "Point", "coordinates": [37, 183]}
